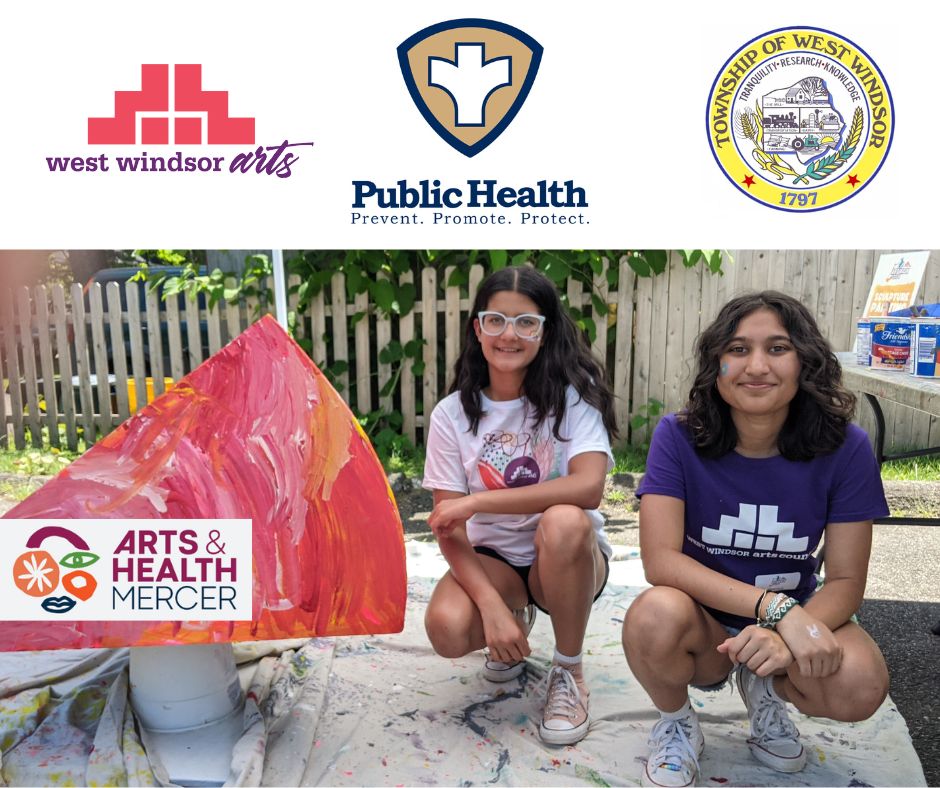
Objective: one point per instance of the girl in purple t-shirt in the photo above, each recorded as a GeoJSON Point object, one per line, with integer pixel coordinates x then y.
{"type": "Point", "coordinates": [740, 488]}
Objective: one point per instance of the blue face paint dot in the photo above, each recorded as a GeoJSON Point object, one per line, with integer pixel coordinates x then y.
{"type": "Point", "coordinates": [724, 369]}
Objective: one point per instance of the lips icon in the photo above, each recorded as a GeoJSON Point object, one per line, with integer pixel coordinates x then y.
{"type": "Point", "coordinates": [58, 604]}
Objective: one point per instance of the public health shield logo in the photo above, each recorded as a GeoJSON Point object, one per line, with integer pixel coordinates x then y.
{"type": "Point", "coordinates": [800, 119]}
{"type": "Point", "coordinates": [469, 78]}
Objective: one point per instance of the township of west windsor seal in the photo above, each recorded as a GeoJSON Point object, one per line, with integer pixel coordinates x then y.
{"type": "Point", "coordinates": [800, 119]}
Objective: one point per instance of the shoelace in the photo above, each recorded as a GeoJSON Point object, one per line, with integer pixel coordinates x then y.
{"type": "Point", "coordinates": [561, 693]}
{"type": "Point", "coordinates": [670, 745]}
{"type": "Point", "coordinates": [771, 721]}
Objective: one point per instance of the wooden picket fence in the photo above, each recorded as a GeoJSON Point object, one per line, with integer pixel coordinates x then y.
{"type": "Point", "coordinates": [58, 351]}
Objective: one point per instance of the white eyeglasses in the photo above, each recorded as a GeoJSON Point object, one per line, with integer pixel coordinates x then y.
{"type": "Point", "coordinates": [525, 326]}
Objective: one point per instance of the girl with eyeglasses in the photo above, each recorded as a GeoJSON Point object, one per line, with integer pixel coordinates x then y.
{"type": "Point", "coordinates": [517, 454]}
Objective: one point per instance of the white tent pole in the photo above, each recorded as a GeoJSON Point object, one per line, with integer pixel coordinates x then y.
{"type": "Point", "coordinates": [280, 287]}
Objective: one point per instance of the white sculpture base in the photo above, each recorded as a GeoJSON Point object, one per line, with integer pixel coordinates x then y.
{"type": "Point", "coordinates": [190, 703]}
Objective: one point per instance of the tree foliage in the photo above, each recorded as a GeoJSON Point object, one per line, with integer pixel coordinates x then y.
{"type": "Point", "coordinates": [379, 273]}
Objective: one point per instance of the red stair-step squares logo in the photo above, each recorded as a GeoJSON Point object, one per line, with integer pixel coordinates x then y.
{"type": "Point", "coordinates": [190, 105]}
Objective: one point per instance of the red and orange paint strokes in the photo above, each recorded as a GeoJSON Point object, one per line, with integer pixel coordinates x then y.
{"type": "Point", "coordinates": [256, 432]}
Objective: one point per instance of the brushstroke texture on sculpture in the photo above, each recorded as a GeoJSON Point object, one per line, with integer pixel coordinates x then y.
{"type": "Point", "coordinates": [255, 432]}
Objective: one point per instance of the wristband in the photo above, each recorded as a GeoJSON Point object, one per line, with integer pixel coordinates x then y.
{"type": "Point", "coordinates": [784, 608]}
{"type": "Point", "coordinates": [776, 610]}
{"type": "Point", "coordinates": [774, 604]}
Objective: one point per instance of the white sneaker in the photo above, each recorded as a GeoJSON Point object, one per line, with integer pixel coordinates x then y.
{"type": "Point", "coordinates": [675, 747]}
{"type": "Point", "coordinates": [506, 671]}
{"type": "Point", "coordinates": [774, 741]}
{"type": "Point", "coordinates": [565, 718]}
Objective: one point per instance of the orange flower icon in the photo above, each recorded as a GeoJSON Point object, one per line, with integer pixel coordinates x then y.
{"type": "Point", "coordinates": [36, 573]}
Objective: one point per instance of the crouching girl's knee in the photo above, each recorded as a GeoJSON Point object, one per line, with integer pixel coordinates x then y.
{"type": "Point", "coordinates": [445, 634]}
{"type": "Point", "coordinates": [565, 528]}
{"type": "Point", "coordinates": [856, 690]}
{"type": "Point", "coordinates": [856, 694]}
{"type": "Point", "coordinates": [657, 619]}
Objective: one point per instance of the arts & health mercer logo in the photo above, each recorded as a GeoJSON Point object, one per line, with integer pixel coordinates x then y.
{"type": "Point", "coordinates": [127, 570]}
{"type": "Point", "coordinates": [172, 107]}
{"type": "Point", "coordinates": [469, 78]}
{"type": "Point", "coordinates": [37, 573]}
{"type": "Point", "coordinates": [800, 119]}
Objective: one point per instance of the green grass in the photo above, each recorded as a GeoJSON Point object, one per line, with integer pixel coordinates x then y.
{"type": "Point", "coordinates": [410, 464]}
{"type": "Point", "coordinates": [616, 496]}
{"type": "Point", "coordinates": [630, 459]}
{"type": "Point", "coordinates": [16, 490]}
{"type": "Point", "coordinates": [915, 469]}
{"type": "Point", "coordinates": [35, 462]}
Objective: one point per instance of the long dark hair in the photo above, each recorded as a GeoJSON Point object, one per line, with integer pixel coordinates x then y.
{"type": "Point", "coordinates": [564, 358]}
{"type": "Point", "coordinates": [819, 412]}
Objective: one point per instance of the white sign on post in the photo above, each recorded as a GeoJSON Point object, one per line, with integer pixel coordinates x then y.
{"type": "Point", "coordinates": [896, 283]}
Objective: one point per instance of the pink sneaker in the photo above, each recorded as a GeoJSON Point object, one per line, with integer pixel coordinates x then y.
{"type": "Point", "coordinates": [565, 719]}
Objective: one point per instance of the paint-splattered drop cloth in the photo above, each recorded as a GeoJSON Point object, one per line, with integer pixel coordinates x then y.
{"type": "Point", "coordinates": [387, 711]}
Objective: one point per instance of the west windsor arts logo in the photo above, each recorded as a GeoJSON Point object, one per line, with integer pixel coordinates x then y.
{"type": "Point", "coordinates": [173, 108]}
{"type": "Point", "coordinates": [151, 107]}
{"type": "Point", "coordinates": [469, 78]}
{"type": "Point", "coordinates": [755, 528]}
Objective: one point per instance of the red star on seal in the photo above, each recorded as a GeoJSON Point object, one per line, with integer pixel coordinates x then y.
{"type": "Point", "coordinates": [853, 181]}
{"type": "Point", "coordinates": [748, 181]}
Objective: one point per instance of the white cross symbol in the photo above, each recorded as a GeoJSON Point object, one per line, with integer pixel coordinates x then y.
{"type": "Point", "coordinates": [469, 80]}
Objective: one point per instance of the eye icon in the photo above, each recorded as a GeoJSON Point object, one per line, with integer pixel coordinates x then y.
{"type": "Point", "coordinates": [78, 560]}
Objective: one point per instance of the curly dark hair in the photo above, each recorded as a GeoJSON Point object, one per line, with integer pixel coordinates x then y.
{"type": "Point", "coordinates": [565, 357]}
{"type": "Point", "coordinates": [819, 412]}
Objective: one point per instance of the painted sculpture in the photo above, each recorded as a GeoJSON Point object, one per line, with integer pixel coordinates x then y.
{"type": "Point", "coordinates": [256, 432]}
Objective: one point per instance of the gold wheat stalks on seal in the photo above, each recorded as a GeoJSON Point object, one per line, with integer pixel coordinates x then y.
{"type": "Point", "coordinates": [824, 167]}
{"type": "Point", "coordinates": [750, 124]}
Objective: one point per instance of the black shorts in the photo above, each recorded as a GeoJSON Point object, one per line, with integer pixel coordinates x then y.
{"type": "Point", "coordinates": [523, 572]}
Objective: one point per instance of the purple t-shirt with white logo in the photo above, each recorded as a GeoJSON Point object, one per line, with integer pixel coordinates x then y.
{"type": "Point", "coordinates": [760, 520]}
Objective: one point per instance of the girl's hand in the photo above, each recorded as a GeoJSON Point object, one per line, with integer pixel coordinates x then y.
{"type": "Point", "coordinates": [504, 637]}
{"type": "Point", "coordinates": [762, 650]}
{"type": "Point", "coordinates": [814, 647]}
{"type": "Point", "coordinates": [449, 513]}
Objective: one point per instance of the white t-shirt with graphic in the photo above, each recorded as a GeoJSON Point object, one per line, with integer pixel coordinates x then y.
{"type": "Point", "coordinates": [507, 452]}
